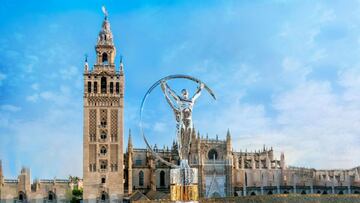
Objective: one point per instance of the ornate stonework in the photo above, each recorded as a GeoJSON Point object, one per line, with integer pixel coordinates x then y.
{"type": "Point", "coordinates": [103, 123]}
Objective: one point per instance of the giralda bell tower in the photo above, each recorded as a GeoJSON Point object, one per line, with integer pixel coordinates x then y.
{"type": "Point", "coordinates": [103, 123]}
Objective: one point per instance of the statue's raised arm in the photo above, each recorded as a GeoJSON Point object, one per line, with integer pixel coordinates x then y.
{"type": "Point", "coordinates": [169, 92]}
{"type": "Point", "coordinates": [198, 92]}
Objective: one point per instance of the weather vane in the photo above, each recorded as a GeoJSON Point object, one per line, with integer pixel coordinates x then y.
{"type": "Point", "coordinates": [104, 11]}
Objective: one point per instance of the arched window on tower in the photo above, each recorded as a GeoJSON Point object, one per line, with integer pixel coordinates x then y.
{"type": "Point", "coordinates": [117, 88]}
{"type": "Point", "coordinates": [103, 135]}
{"type": "Point", "coordinates": [105, 58]}
{"type": "Point", "coordinates": [103, 85]}
{"type": "Point", "coordinates": [89, 87]}
{"type": "Point", "coordinates": [103, 150]}
{"type": "Point", "coordinates": [103, 164]}
{"type": "Point", "coordinates": [141, 178]}
{"type": "Point", "coordinates": [162, 179]}
{"type": "Point", "coordinates": [111, 87]}
{"type": "Point", "coordinates": [95, 87]}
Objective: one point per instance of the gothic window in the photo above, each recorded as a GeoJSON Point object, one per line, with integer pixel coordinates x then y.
{"type": "Point", "coordinates": [103, 164]}
{"type": "Point", "coordinates": [95, 87]}
{"type": "Point", "coordinates": [117, 88]}
{"type": "Point", "coordinates": [103, 180]}
{"type": "Point", "coordinates": [103, 85]}
{"type": "Point", "coordinates": [162, 178]}
{"type": "Point", "coordinates": [141, 178]}
{"type": "Point", "coordinates": [103, 123]}
{"type": "Point", "coordinates": [105, 58]}
{"type": "Point", "coordinates": [111, 87]}
{"type": "Point", "coordinates": [212, 155]}
{"type": "Point", "coordinates": [51, 196]}
{"type": "Point", "coordinates": [103, 150]}
{"type": "Point", "coordinates": [103, 135]}
{"type": "Point", "coordinates": [138, 162]}
{"type": "Point", "coordinates": [89, 87]}
{"type": "Point", "coordinates": [22, 196]}
{"type": "Point", "coordinates": [103, 196]}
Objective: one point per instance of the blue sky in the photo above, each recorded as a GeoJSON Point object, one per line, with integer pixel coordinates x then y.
{"type": "Point", "coordinates": [286, 74]}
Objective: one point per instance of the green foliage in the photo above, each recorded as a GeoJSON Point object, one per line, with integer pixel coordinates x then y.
{"type": "Point", "coordinates": [77, 192]}
{"type": "Point", "coordinates": [77, 195]}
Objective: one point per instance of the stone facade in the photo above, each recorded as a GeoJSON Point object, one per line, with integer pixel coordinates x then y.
{"type": "Point", "coordinates": [103, 123]}
{"type": "Point", "coordinates": [41, 191]}
{"type": "Point", "coordinates": [223, 172]}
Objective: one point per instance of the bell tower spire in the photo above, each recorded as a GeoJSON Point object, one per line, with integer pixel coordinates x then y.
{"type": "Point", "coordinates": [105, 49]}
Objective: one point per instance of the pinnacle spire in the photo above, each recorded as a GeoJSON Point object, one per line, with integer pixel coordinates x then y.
{"type": "Point", "coordinates": [130, 141]}
{"type": "Point", "coordinates": [268, 161]}
{"type": "Point", "coordinates": [253, 164]}
{"type": "Point", "coordinates": [121, 64]}
{"type": "Point", "coordinates": [282, 160]}
{"type": "Point", "coordinates": [357, 176]}
{"type": "Point", "coordinates": [228, 134]}
{"type": "Point", "coordinates": [86, 65]}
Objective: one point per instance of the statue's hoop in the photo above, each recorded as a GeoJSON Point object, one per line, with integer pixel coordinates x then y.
{"type": "Point", "coordinates": [170, 77]}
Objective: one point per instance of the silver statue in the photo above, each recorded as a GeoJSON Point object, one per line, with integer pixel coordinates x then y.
{"type": "Point", "coordinates": [182, 106]}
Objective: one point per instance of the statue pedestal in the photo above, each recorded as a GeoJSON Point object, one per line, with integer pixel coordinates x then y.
{"type": "Point", "coordinates": [184, 184]}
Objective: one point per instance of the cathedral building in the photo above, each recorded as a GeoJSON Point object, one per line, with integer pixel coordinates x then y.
{"type": "Point", "coordinates": [112, 175]}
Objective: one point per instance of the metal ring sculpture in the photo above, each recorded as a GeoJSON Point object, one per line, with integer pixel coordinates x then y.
{"type": "Point", "coordinates": [170, 77]}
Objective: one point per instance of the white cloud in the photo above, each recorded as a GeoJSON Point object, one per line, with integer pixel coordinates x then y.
{"type": "Point", "coordinates": [45, 134]}
{"type": "Point", "coordinates": [69, 73]}
{"type": "Point", "coordinates": [48, 95]}
{"type": "Point", "coordinates": [32, 98]}
{"type": "Point", "coordinates": [160, 127]}
{"type": "Point", "coordinates": [291, 64]}
{"type": "Point", "coordinates": [35, 86]}
{"type": "Point", "coordinates": [9, 107]}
